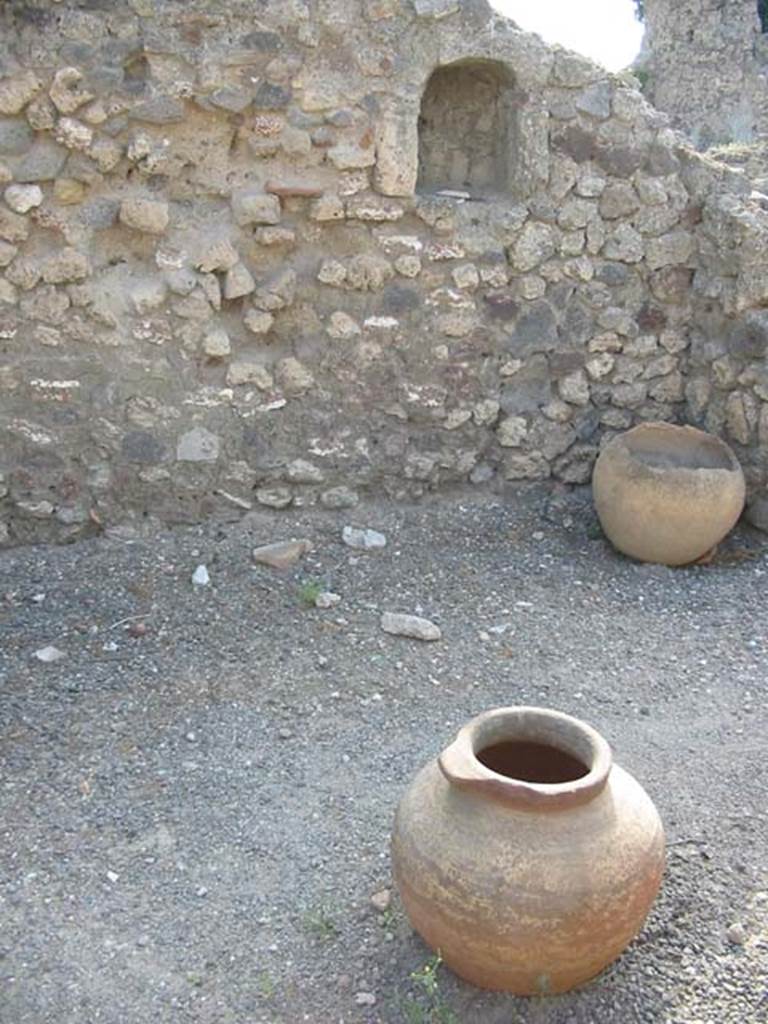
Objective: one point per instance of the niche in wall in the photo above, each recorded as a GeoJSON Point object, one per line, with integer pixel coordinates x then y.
{"type": "Point", "coordinates": [467, 128]}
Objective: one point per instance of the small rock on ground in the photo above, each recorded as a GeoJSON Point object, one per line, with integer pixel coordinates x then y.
{"type": "Point", "coordinates": [410, 625]}
{"type": "Point", "coordinates": [200, 576]}
{"type": "Point", "coordinates": [363, 539]}
{"type": "Point", "coordinates": [282, 554]}
{"type": "Point", "coordinates": [49, 654]}
{"type": "Point", "coordinates": [381, 900]}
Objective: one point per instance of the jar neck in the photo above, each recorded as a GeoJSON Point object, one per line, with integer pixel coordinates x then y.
{"type": "Point", "coordinates": [490, 751]}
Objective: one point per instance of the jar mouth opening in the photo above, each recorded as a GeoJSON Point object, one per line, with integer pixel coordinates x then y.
{"type": "Point", "coordinates": [668, 447]}
{"type": "Point", "coordinates": [539, 752]}
{"type": "Point", "coordinates": [528, 761]}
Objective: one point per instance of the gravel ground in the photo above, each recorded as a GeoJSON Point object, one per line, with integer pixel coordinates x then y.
{"type": "Point", "coordinates": [196, 798]}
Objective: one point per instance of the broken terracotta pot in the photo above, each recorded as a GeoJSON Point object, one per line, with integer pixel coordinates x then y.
{"type": "Point", "coordinates": [524, 855]}
{"type": "Point", "coordinates": [666, 493]}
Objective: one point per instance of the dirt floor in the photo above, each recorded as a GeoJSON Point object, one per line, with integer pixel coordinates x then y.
{"type": "Point", "coordinates": [197, 794]}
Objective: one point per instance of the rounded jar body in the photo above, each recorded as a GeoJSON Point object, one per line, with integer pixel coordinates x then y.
{"type": "Point", "coordinates": [666, 493]}
{"type": "Point", "coordinates": [525, 886]}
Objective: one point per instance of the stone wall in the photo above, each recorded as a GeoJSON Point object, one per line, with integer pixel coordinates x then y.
{"type": "Point", "coordinates": [706, 64]}
{"type": "Point", "coordinates": [221, 286]}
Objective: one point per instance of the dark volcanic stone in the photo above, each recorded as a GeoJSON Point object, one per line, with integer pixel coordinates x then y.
{"type": "Point", "coordinates": [142, 447]}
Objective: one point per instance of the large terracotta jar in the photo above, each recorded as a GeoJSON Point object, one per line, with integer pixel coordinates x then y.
{"type": "Point", "coordinates": [524, 855]}
{"type": "Point", "coordinates": [666, 493]}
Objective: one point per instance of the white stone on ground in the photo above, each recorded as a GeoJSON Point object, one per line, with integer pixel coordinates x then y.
{"type": "Point", "coordinates": [200, 577]}
{"type": "Point", "coordinates": [411, 626]}
{"type": "Point", "coordinates": [49, 654]}
{"type": "Point", "coordinates": [362, 538]}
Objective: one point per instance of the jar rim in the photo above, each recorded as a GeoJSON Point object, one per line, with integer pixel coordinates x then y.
{"type": "Point", "coordinates": [462, 767]}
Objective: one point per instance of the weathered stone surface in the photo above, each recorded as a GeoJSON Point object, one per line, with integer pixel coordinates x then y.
{"type": "Point", "coordinates": [294, 378]}
{"type": "Point", "coordinates": [18, 91]}
{"type": "Point", "coordinates": [275, 237]}
{"type": "Point", "coordinates": [529, 388]}
{"type": "Point", "coordinates": [368, 273]}
{"type": "Point", "coordinates": [258, 322]}
{"type": "Point", "coordinates": [8, 253]}
{"type": "Point", "coordinates": [327, 208]}
{"type": "Point", "coordinates": [242, 371]}
{"type": "Point", "coordinates": [757, 511]}
{"type": "Point", "coordinates": [339, 497]}
{"type": "Point", "coordinates": [23, 198]}
{"type": "Point", "coordinates": [216, 343]}
{"type": "Point", "coordinates": [536, 243]}
{"type": "Point", "coordinates": [375, 210]}
{"type": "Point", "coordinates": [277, 292]}
{"type": "Point", "coordinates": [274, 497]}
{"type": "Point", "coordinates": [573, 70]}
{"type": "Point", "coordinates": [600, 365]}
{"type": "Point", "coordinates": [251, 206]}
{"type": "Point", "coordinates": [69, 191]}
{"type": "Point", "coordinates": [73, 134]}
{"type": "Point", "coordinates": [41, 162]}
{"type": "Point", "coordinates": [8, 294]}
{"type": "Point", "coordinates": [67, 91]}
{"type": "Point", "coordinates": [15, 137]}
{"type": "Point", "coordinates": [198, 445]}
{"type": "Point", "coordinates": [348, 156]}
{"type": "Point", "coordinates": [672, 249]}
{"type": "Point", "coordinates": [219, 255]}
{"type": "Point", "coordinates": [396, 142]}
{"type": "Point", "coordinates": [574, 388]}
{"type": "Point", "coordinates": [332, 272]}
{"type": "Point", "coordinates": [512, 431]}
{"type": "Point", "coordinates": [668, 389]}
{"type": "Point", "coordinates": [486, 412]}
{"type": "Point", "coordinates": [159, 110]}
{"type": "Point", "coordinates": [67, 265]}
{"type": "Point", "coordinates": [147, 294]}
{"type": "Point", "coordinates": [624, 244]}
{"type": "Point", "coordinates": [629, 396]}
{"type": "Point", "coordinates": [341, 325]}
{"type": "Point", "coordinates": [150, 216]}
{"type": "Point", "coordinates": [238, 282]}
{"type": "Point", "coordinates": [619, 199]}
{"type": "Point", "coordinates": [142, 447]}
{"type": "Point", "coordinates": [25, 272]}
{"type": "Point", "coordinates": [531, 466]}
{"type": "Point", "coordinates": [595, 100]}
{"type": "Point", "coordinates": [301, 471]}
{"type": "Point", "coordinates": [748, 337]}
{"type": "Point", "coordinates": [535, 329]}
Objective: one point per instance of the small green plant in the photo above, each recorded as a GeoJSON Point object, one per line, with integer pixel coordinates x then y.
{"type": "Point", "coordinates": [309, 591]}
{"type": "Point", "coordinates": [388, 919]}
{"type": "Point", "coordinates": [644, 78]}
{"type": "Point", "coordinates": [426, 976]}
{"type": "Point", "coordinates": [266, 985]}
{"type": "Point", "coordinates": [319, 922]}
{"type": "Point", "coordinates": [430, 1009]}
